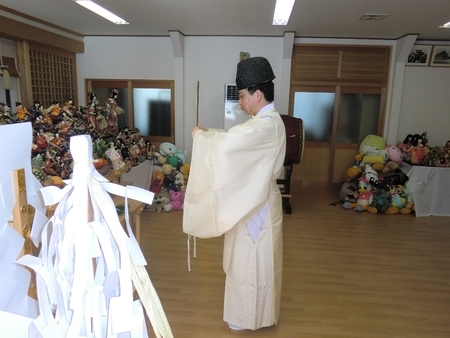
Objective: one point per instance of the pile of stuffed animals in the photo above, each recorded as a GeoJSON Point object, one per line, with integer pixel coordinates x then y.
{"type": "Point", "coordinates": [375, 183]}
{"type": "Point", "coordinates": [170, 176]}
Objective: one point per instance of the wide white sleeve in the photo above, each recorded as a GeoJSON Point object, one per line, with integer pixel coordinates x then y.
{"type": "Point", "coordinates": [230, 177]}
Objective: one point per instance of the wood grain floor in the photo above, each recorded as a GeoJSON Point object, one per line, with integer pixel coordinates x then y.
{"type": "Point", "coordinates": [346, 274]}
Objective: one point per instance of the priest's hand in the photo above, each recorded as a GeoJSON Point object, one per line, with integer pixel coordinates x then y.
{"type": "Point", "coordinates": [198, 128]}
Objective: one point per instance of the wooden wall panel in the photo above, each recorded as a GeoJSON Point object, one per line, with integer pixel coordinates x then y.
{"type": "Point", "coordinates": [340, 64]}
{"type": "Point", "coordinates": [313, 169]}
{"type": "Point", "coordinates": [368, 65]}
{"type": "Point", "coordinates": [343, 159]}
{"type": "Point", "coordinates": [314, 64]}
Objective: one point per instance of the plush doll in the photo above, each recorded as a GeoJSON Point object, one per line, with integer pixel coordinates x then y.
{"type": "Point", "coordinates": [372, 151]}
{"type": "Point", "coordinates": [169, 180]}
{"type": "Point", "coordinates": [159, 201]}
{"type": "Point", "coordinates": [185, 170]}
{"type": "Point", "coordinates": [365, 196]}
{"type": "Point", "coordinates": [409, 206]}
{"type": "Point", "coordinates": [356, 170]}
{"type": "Point", "coordinates": [176, 201]}
{"type": "Point", "coordinates": [161, 159]}
{"type": "Point", "coordinates": [157, 181]}
{"type": "Point", "coordinates": [371, 175]}
{"type": "Point", "coordinates": [372, 148]}
{"type": "Point", "coordinates": [394, 159]}
{"type": "Point", "coordinates": [168, 149]}
{"type": "Point", "coordinates": [179, 181]}
{"type": "Point", "coordinates": [167, 169]}
{"type": "Point", "coordinates": [349, 192]}
{"type": "Point", "coordinates": [380, 203]}
{"type": "Point", "coordinates": [175, 161]}
{"type": "Point", "coordinates": [397, 198]}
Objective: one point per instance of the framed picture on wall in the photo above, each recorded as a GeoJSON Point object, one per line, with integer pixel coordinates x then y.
{"type": "Point", "coordinates": [441, 56]}
{"type": "Point", "coordinates": [419, 55]}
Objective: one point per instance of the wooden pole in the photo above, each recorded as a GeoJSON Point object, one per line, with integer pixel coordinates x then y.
{"type": "Point", "coordinates": [197, 99]}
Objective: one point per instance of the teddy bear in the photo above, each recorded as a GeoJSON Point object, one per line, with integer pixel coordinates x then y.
{"type": "Point", "coordinates": [176, 201]}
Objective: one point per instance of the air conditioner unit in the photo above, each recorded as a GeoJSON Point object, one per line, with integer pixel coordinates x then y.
{"type": "Point", "coordinates": [233, 113]}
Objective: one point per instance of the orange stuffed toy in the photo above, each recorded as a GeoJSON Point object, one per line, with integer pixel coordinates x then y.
{"type": "Point", "coordinates": [157, 182]}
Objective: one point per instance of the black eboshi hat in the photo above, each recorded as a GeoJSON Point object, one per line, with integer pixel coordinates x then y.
{"type": "Point", "coordinates": [253, 71]}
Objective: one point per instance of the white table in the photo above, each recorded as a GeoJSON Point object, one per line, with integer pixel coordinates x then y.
{"type": "Point", "coordinates": [429, 189]}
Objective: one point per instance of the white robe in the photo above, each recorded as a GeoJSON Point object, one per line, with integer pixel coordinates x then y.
{"type": "Point", "coordinates": [233, 179]}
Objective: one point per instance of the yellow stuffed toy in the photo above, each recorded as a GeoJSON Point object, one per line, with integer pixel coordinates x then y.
{"type": "Point", "coordinates": [185, 170]}
{"type": "Point", "coordinates": [372, 150]}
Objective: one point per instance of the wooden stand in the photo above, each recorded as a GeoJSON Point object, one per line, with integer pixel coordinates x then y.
{"type": "Point", "coordinates": [115, 175]}
{"type": "Point", "coordinates": [22, 221]}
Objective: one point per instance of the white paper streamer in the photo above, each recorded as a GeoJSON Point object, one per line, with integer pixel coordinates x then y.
{"type": "Point", "coordinates": [88, 263]}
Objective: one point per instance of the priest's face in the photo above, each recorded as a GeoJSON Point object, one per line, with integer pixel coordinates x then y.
{"type": "Point", "coordinates": [245, 101]}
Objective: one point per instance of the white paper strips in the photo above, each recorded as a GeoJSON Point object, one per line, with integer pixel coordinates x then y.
{"type": "Point", "coordinates": [88, 264]}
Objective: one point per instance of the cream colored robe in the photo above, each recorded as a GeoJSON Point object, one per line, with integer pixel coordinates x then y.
{"type": "Point", "coordinates": [233, 175]}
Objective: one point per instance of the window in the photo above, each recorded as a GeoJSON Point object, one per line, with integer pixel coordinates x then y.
{"type": "Point", "coordinates": [316, 111]}
{"type": "Point", "coordinates": [358, 117]}
{"type": "Point", "coordinates": [147, 105]}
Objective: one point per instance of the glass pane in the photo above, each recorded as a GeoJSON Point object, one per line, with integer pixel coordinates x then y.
{"type": "Point", "coordinates": [316, 111]}
{"type": "Point", "coordinates": [357, 117]}
{"type": "Point", "coordinates": [152, 111]}
{"type": "Point", "coordinates": [103, 93]}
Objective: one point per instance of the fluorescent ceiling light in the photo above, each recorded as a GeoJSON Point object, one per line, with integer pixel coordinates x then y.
{"type": "Point", "coordinates": [447, 25]}
{"type": "Point", "coordinates": [92, 6]}
{"type": "Point", "coordinates": [283, 9]}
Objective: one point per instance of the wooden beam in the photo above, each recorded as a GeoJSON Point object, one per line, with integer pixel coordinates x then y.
{"type": "Point", "coordinates": [16, 30]}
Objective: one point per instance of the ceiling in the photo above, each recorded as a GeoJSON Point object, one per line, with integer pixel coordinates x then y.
{"type": "Point", "coordinates": [310, 18]}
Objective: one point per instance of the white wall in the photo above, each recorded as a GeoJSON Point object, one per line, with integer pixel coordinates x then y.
{"type": "Point", "coordinates": [212, 61]}
{"type": "Point", "coordinates": [124, 57]}
{"type": "Point", "coordinates": [426, 104]}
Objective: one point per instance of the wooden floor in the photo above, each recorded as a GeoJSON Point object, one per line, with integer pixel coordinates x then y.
{"type": "Point", "coordinates": [346, 274]}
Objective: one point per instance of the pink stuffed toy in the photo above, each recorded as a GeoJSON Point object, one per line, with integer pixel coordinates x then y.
{"type": "Point", "coordinates": [394, 159]}
{"type": "Point", "coordinates": [176, 201]}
